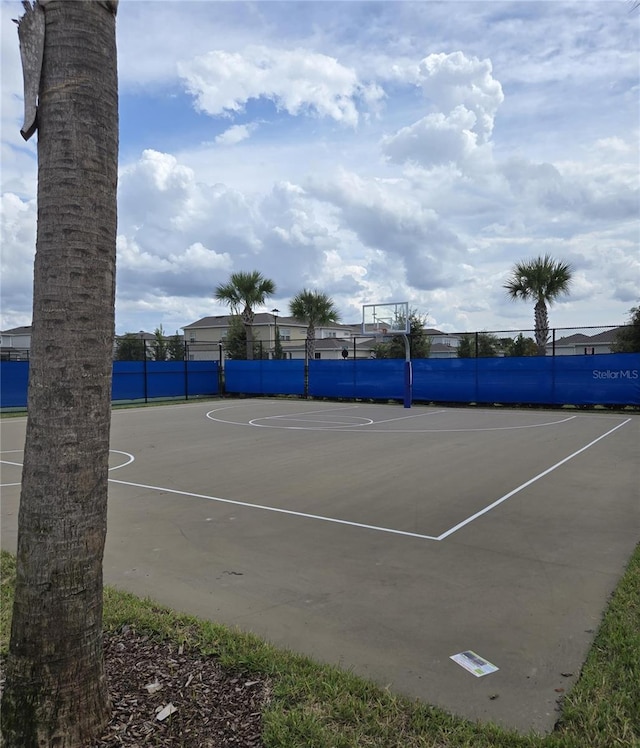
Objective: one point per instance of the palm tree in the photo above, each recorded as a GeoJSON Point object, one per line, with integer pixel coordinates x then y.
{"type": "Point", "coordinates": [314, 308]}
{"type": "Point", "coordinates": [242, 293]}
{"type": "Point", "coordinates": [542, 279]}
{"type": "Point", "coordinates": [55, 691]}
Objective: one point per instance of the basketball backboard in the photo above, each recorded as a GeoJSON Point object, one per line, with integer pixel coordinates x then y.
{"type": "Point", "coordinates": [391, 318]}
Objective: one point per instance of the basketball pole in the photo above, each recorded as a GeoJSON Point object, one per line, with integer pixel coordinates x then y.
{"type": "Point", "coordinates": [408, 372]}
{"type": "Point", "coordinates": [380, 324]}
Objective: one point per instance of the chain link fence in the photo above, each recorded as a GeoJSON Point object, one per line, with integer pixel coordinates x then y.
{"type": "Point", "coordinates": [560, 341]}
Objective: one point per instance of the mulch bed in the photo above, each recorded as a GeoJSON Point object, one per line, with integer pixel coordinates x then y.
{"type": "Point", "coordinates": [148, 678]}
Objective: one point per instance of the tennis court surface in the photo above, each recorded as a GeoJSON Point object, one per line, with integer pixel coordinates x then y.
{"type": "Point", "coordinates": [381, 539]}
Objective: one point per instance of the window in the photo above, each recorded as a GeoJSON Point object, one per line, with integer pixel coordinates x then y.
{"type": "Point", "coordinates": [318, 355]}
{"type": "Point", "coordinates": [285, 333]}
{"type": "Point", "coordinates": [192, 337]}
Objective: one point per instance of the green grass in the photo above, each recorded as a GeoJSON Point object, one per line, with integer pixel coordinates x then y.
{"type": "Point", "coordinates": [318, 706]}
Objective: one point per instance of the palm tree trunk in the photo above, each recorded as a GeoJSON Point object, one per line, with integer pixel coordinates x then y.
{"type": "Point", "coordinates": [247, 321]}
{"type": "Point", "coordinates": [55, 692]}
{"type": "Point", "coordinates": [249, 331]}
{"type": "Point", "coordinates": [311, 341]}
{"type": "Point", "coordinates": [541, 327]}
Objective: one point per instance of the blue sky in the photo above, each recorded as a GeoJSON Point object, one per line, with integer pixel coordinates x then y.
{"type": "Point", "coordinates": [383, 151]}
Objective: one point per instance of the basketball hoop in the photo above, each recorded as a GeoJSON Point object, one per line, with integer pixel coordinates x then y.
{"type": "Point", "coordinates": [386, 321]}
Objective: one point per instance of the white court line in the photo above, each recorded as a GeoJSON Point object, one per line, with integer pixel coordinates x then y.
{"type": "Point", "coordinates": [510, 428]}
{"type": "Point", "coordinates": [499, 501]}
{"type": "Point", "coordinates": [7, 485]}
{"type": "Point", "coordinates": [366, 428]}
{"type": "Point", "coordinates": [377, 528]}
{"type": "Point", "coordinates": [404, 418]}
{"type": "Point", "coordinates": [274, 509]}
{"type": "Point", "coordinates": [285, 416]}
{"type": "Point", "coordinates": [115, 451]}
{"type": "Point", "coordinates": [319, 425]}
{"type": "Point", "coordinates": [313, 412]}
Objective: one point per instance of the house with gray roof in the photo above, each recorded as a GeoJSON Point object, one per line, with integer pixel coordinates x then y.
{"type": "Point", "coordinates": [205, 338]}
{"type": "Point", "coordinates": [15, 343]}
{"type": "Point", "coordinates": [580, 344]}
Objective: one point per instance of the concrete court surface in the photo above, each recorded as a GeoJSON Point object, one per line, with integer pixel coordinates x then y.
{"type": "Point", "coordinates": [379, 538]}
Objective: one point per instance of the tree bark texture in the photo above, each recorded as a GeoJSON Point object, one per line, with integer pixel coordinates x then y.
{"type": "Point", "coordinates": [541, 327]}
{"type": "Point", "coordinates": [247, 320]}
{"type": "Point", "coordinates": [310, 342]}
{"type": "Point", "coordinates": [55, 693]}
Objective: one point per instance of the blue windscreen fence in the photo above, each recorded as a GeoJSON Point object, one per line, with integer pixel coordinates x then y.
{"type": "Point", "coordinates": [148, 380]}
{"type": "Point", "coordinates": [264, 377]}
{"type": "Point", "coordinates": [606, 379]}
{"type": "Point", "coordinates": [14, 379]}
{"type": "Point", "coordinates": [132, 380]}
{"type": "Point", "coordinates": [368, 379]}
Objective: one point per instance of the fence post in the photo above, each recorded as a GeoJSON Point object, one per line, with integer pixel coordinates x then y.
{"type": "Point", "coordinates": [144, 370]}
{"type": "Point", "coordinates": [553, 342]}
{"type": "Point", "coordinates": [221, 372]}
{"type": "Point", "coordinates": [185, 358]}
{"type": "Point", "coordinates": [408, 373]}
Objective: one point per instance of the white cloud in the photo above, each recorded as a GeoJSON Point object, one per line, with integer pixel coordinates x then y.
{"type": "Point", "coordinates": [453, 80]}
{"type": "Point", "coordinates": [435, 139]}
{"type": "Point", "coordinates": [235, 134]}
{"type": "Point", "coordinates": [465, 97]}
{"type": "Point", "coordinates": [18, 242]}
{"type": "Point", "coordinates": [385, 215]}
{"type": "Point", "coordinates": [297, 81]}
{"type": "Point", "coordinates": [162, 201]}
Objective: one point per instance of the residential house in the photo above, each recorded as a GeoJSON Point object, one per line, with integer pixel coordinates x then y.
{"type": "Point", "coordinates": [205, 338]}
{"type": "Point", "coordinates": [15, 344]}
{"type": "Point", "coordinates": [443, 344]}
{"type": "Point", "coordinates": [581, 344]}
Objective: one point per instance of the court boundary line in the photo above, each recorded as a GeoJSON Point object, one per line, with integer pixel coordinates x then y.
{"type": "Point", "coordinates": [20, 464]}
{"type": "Point", "coordinates": [526, 484]}
{"type": "Point", "coordinates": [362, 525]}
{"type": "Point", "coordinates": [278, 510]}
{"type": "Point", "coordinates": [366, 427]}
{"type": "Point", "coordinates": [329, 425]}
